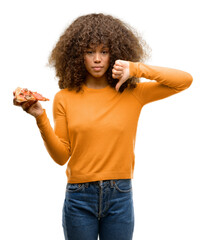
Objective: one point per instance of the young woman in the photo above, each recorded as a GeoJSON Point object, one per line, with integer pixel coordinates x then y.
{"type": "Point", "coordinates": [99, 60]}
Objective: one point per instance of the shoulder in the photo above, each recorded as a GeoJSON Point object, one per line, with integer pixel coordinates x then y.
{"type": "Point", "coordinates": [141, 88]}
{"type": "Point", "coordinates": [60, 98]}
{"type": "Point", "coordinates": [60, 95]}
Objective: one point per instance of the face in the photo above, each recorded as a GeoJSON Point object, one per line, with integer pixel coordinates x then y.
{"type": "Point", "coordinates": [96, 60]}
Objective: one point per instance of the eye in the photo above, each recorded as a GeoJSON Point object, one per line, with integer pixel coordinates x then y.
{"type": "Point", "coordinates": [89, 51]}
{"type": "Point", "coordinates": [105, 51]}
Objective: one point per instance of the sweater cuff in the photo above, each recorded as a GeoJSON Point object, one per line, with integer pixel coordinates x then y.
{"type": "Point", "coordinates": [41, 120]}
{"type": "Point", "coordinates": [134, 69]}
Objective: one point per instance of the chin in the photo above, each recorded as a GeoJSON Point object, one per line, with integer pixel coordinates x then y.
{"type": "Point", "coordinates": [97, 75]}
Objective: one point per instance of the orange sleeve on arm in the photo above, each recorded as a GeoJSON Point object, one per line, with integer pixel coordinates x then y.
{"type": "Point", "coordinates": [168, 81]}
{"type": "Point", "coordinates": [56, 141]}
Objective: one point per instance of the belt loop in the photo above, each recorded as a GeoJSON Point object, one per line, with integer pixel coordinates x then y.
{"type": "Point", "coordinates": [112, 183]}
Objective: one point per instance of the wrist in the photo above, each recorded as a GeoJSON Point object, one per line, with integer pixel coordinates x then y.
{"type": "Point", "coordinates": [39, 113]}
{"type": "Point", "coordinates": [134, 69]}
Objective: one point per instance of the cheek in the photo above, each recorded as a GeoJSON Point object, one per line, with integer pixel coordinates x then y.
{"type": "Point", "coordinates": [108, 62]}
{"type": "Point", "coordinates": [86, 62]}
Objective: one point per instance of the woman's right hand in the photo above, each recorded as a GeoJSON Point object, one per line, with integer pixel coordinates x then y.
{"type": "Point", "coordinates": [32, 107]}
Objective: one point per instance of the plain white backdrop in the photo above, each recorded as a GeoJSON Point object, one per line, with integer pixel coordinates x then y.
{"type": "Point", "coordinates": [169, 182]}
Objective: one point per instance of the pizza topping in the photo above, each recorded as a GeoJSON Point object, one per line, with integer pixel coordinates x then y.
{"type": "Point", "coordinates": [23, 95]}
{"type": "Point", "coordinates": [28, 97]}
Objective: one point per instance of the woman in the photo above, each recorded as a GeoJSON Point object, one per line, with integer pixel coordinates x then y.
{"type": "Point", "coordinates": [99, 60]}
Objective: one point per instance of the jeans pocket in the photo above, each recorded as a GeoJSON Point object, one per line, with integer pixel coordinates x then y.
{"type": "Point", "coordinates": [123, 185]}
{"type": "Point", "coordinates": [74, 187]}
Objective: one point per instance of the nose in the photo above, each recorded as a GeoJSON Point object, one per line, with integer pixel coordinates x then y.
{"type": "Point", "coordinates": [97, 58]}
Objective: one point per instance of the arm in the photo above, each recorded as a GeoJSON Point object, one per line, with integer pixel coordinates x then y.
{"type": "Point", "coordinates": [57, 140]}
{"type": "Point", "coordinates": [168, 81]}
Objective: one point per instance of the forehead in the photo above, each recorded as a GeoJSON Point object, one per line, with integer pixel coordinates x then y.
{"type": "Point", "coordinates": [98, 46]}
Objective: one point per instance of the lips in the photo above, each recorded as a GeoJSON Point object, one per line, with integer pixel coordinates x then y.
{"type": "Point", "coordinates": [97, 68]}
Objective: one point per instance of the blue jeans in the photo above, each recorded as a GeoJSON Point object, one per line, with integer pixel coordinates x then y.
{"type": "Point", "coordinates": [102, 208]}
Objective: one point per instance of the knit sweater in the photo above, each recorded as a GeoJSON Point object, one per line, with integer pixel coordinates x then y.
{"type": "Point", "coordinates": [96, 129]}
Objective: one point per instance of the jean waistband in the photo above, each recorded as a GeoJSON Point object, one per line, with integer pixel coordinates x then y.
{"type": "Point", "coordinates": [101, 183]}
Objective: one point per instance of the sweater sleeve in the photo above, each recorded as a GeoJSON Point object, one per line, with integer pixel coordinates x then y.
{"type": "Point", "coordinates": [167, 82]}
{"type": "Point", "coordinates": [56, 141]}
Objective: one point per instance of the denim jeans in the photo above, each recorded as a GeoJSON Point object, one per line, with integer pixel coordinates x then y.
{"type": "Point", "coordinates": [102, 208]}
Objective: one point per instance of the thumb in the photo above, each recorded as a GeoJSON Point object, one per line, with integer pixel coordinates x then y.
{"type": "Point", "coordinates": [118, 85]}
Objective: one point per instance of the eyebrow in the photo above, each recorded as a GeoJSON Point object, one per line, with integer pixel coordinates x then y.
{"type": "Point", "coordinates": [94, 47]}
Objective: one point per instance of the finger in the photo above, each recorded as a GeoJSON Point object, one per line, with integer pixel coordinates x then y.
{"type": "Point", "coordinates": [117, 72]}
{"type": "Point", "coordinates": [26, 106]}
{"type": "Point", "coordinates": [16, 103]}
{"type": "Point", "coordinates": [118, 85]}
{"type": "Point", "coordinates": [117, 76]}
{"type": "Point", "coordinates": [118, 68]}
{"type": "Point", "coordinates": [118, 63]}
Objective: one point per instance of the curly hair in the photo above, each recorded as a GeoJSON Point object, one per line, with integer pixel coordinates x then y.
{"type": "Point", "coordinates": [67, 57]}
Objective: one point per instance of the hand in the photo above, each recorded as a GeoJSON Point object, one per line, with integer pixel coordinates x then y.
{"type": "Point", "coordinates": [120, 71]}
{"type": "Point", "coordinates": [32, 107]}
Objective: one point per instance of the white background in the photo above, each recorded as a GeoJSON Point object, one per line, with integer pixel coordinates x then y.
{"type": "Point", "coordinates": [169, 180]}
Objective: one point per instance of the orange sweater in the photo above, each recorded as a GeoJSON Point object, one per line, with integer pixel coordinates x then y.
{"type": "Point", "coordinates": [96, 129]}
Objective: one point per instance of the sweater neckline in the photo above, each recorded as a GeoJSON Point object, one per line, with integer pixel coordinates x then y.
{"type": "Point", "coordinates": [96, 89]}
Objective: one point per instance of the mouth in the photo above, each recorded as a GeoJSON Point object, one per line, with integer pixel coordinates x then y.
{"type": "Point", "coordinates": [97, 68]}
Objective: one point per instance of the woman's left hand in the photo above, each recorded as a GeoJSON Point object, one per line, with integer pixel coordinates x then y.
{"type": "Point", "coordinates": [120, 71]}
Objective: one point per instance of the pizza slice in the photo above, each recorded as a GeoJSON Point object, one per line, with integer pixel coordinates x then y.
{"type": "Point", "coordinates": [23, 95]}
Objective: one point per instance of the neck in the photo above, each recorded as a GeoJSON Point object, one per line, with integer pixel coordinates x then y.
{"type": "Point", "coordinates": [94, 82]}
